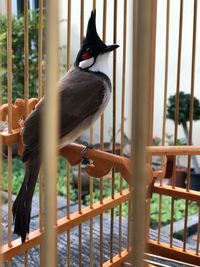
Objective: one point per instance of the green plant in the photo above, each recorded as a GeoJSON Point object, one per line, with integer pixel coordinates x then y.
{"type": "Point", "coordinates": [179, 141]}
{"type": "Point", "coordinates": [18, 55]}
{"type": "Point", "coordinates": [156, 141]}
{"type": "Point", "coordinates": [107, 191]}
{"type": "Point", "coordinates": [184, 114]}
{"type": "Point", "coordinates": [179, 209]}
{"type": "Point", "coordinates": [18, 176]}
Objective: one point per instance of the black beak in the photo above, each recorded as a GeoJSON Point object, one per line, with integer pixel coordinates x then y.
{"type": "Point", "coordinates": [110, 48]}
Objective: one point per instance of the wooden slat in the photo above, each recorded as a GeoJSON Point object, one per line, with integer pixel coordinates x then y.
{"type": "Point", "coordinates": [117, 260]}
{"type": "Point", "coordinates": [40, 48]}
{"type": "Point", "coordinates": [177, 192]}
{"type": "Point", "coordinates": [26, 56]}
{"type": "Point", "coordinates": [9, 63]}
{"type": "Point", "coordinates": [50, 144]}
{"type": "Point", "coordinates": [175, 253]}
{"type": "Point", "coordinates": [173, 150]}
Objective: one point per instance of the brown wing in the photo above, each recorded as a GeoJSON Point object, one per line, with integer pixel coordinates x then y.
{"type": "Point", "coordinates": [81, 94]}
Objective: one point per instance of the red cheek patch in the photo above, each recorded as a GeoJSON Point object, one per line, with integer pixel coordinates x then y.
{"type": "Point", "coordinates": [85, 56]}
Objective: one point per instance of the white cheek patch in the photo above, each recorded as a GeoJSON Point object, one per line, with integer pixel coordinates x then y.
{"type": "Point", "coordinates": [86, 63]}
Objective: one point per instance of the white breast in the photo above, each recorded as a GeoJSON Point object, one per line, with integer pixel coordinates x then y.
{"type": "Point", "coordinates": [102, 64]}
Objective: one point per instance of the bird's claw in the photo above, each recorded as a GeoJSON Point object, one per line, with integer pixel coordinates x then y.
{"type": "Point", "coordinates": [84, 153]}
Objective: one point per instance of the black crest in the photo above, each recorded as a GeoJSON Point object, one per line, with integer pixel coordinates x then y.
{"type": "Point", "coordinates": [92, 45]}
{"type": "Point", "coordinates": [92, 39]}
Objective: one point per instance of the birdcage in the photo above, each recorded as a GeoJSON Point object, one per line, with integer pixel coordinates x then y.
{"type": "Point", "coordinates": [125, 206]}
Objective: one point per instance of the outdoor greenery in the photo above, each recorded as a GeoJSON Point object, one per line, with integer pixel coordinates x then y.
{"type": "Point", "coordinates": [18, 176]}
{"type": "Point", "coordinates": [184, 116]}
{"type": "Point", "coordinates": [18, 55]}
{"type": "Point", "coordinates": [184, 108]}
{"type": "Point", "coordinates": [179, 208]}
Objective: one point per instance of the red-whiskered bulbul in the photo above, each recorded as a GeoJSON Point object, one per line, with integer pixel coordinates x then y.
{"type": "Point", "coordinates": [84, 92]}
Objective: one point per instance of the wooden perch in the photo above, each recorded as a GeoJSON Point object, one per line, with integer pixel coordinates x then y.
{"type": "Point", "coordinates": [101, 162]}
{"type": "Point", "coordinates": [18, 116]}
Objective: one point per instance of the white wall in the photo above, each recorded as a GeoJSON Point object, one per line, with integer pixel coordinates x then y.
{"type": "Point", "coordinates": [185, 77]}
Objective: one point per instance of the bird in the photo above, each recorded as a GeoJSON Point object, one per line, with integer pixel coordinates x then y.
{"type": "Point", "coordinates": [84, 92]}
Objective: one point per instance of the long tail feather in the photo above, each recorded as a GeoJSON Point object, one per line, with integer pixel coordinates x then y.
{"type": "Point", "coordinates": [22, 205]}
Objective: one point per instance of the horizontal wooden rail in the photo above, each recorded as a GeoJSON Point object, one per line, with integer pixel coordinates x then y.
{"type": "Point", "coordinates": [88, 213]}
{"type": "Point", "coordinates": [176, 192]}
{"type": "Point", "coordinates": [117, 260]}
{"type": "Point", "coordinates": [175, 253]}
{"type": "Point", "coordinates": [65, 224]}
{"type": "Point", "coordinates": [173, 150]}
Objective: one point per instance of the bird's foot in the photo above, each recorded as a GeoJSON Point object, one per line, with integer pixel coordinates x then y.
{"type": "Point", "coordinates": [84, 153]}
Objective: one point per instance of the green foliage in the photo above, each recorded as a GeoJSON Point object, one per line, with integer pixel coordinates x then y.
{"type": "Point", "coordinates": [18, 54]}
{"type": "Point", "coordinates": [179, 209]}
{"type": "Point", "coordinates": [184, 108]}
{"type": "Point", "coordinates": [179, 142]}
{"type": "Point", "coordinates": [62, 180]}
{"type": "Point", "coordinates": [107, 191]}
{"type": "Point", "coordinates": [18, 176]}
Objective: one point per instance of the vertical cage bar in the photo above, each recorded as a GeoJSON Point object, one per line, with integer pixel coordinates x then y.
{"type": "Point", "coordinates": [185, 226]}
{"type": "Point", "coordinates": [40, 93]}
{"type": "Point", "coordinates": [68, 249]}
{"type": "Point", "coordinates": [102, 141]}
{"type": "Point", "coordinates": [151, 103]}
{"type": "Point", "coordinates": [26, 77]}
{"type": "Point", "coordinates": [40, 47]}
{"type": "Point", "coordinates": [176, 113]}
{"type": "Point", "coordinates": [9, 63]}
{"type": "Point", "coordinates": [82, 21]}
{"type": "Point", "coordinates": [142, 62]}
{"type": "Point", "coordinates": [50, 144]}
{"type": "Point", "coordinates": [80, 212]}
{"type": "Point", "coordinates": [68, 213]}
{"type": "Point", "coordinates": [152, 76]}
{"type": "Point", "coordinates": [122, 117]}
{"type": "Point", "coordinates": [79, 189]}
{"type": "Point", "coordinates": [26, 56]}
{"type": "Point", "coordinates": [10, 196]}
{"type": "Point", "coordinates": [9, 68]}
{"type": "Point", "coordinates": [198, 235]}
{"type": "Point", "coordinates": [172, 223]}
{"type": "Point", "coordinates": [166, 72]}
{"type": "Point", "coordinates": [79, 166]}
{"type": "Point", "coordinates": [165, 105]}
{"type": "Point", "coordinates": [80, 244]}
{"type": "Point", "coordinates": [68, 165]}
{"type": "Point", "coordinates": [91, 204]}
{"type": "Point", "coordinates": [191, 117]}
{"type": "Point", "coordinates": [94, 4]}
{"type": "Point", "coordinates": [102, 116]}
{"type": "Point", "coordinates": [91, 242]}
{"type": "Point", "coordinates": [178, 74]}
{"type": "Point", "coordinates": [26, 259]}
{"type": "Point", "coordinates": [91, 183]}
{"type": "Point", "coordinates": [114, 127]}
{"type": "Point", "coordinates": [192, 88]}
{"type": "Point", "coordinates": [68, 33]}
